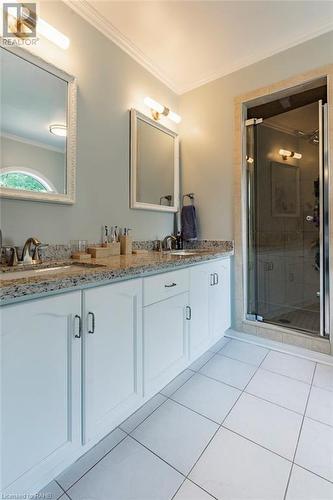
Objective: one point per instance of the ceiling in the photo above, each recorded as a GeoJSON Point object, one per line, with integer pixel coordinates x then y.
{"type": "Point", "coordinates": [188, 43]}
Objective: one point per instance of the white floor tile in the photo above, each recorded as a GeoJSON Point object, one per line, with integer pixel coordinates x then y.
{"type": "Point", "coordinates": [196, 365]}
{"type": "Point", "coordinates": [324, 377]}
{"type": "Point", "coordinates": [315, 448]}
{"type": "Point", "coordinates": [320, 405]}
{"type": "Point", "coordinates": [269, 425]}
{"type": "Point", "coordinates": [229, 370]}
{"type": "Point", "coordinates": [248, 353]}
{"type": "Point", "coordinates": [189, 491]}
{"type": "Point", "coordinates": [234, 468]}
{"type": "Point", "coordinates": [207, 396]}
{"type": "Point", "coordinates": [52, 491]}
{"type": "Point", "coordinates": [291, 366]}
{"type": "Point", "coordinates": [278, 389]}
{"type": "Point", "coordinates": [128, 472]}
{"type": "Point", "coordinates": [219, 344]}
{"type": "Point", "coordinates": [306, 486]}
{"type": "Point", "coordinates": [142, 413]}
{"type": "Point", "coordinates": [176, 434]}
{"type": "Point", "coordinates": [177, 382]}
{"type": "Point", "coordinates": [87, 461]}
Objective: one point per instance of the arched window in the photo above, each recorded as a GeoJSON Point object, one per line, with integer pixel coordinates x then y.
{"type": "Point", "coordinates": [25, 179]}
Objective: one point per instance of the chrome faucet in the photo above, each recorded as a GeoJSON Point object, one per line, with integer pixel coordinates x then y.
{"type": "Point", "coordinates": [12, 260]}
{"type": "Point", "coordinates": [28, 256]}
{"type": "Point", "coordinates": [167, 242]}
{"type": "Point", "coordinates": [26, 252]}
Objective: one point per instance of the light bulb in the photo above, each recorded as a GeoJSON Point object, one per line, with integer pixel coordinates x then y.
{"type": "Point", "coordinates": [156, 106]}
{"type": "Point", "coordinates": [174, 117]}
{"type": "Point", "coordinates": [285, 152]}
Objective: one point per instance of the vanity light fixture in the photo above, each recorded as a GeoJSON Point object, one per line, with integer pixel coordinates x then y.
{"type": "Point", "coordinates": [47, 31]}
{"type": "Point", "coordinates": [289, 154]}
{"type": "Point", "coordinates": [59, 130]}
{"type": "Point", "coordinates": [158, 109]}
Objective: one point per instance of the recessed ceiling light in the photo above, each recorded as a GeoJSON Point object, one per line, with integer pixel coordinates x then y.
{"type": "Point", "coordinates": [59, 130]}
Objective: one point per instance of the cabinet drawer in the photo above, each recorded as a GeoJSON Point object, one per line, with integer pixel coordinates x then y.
{"type": "Point", "coordinates": [163, 286]}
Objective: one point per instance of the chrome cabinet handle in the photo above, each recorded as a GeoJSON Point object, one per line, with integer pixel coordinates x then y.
{"type": "Point", "coordinates": [171, 285]}
{"type": "Point", "coordinates": [212, 279]}
{"type": "Point", "coordinates": [188, 313]}
{"type": "Point", "coordinates": [216, 279]}
{"type": "Point", "coordinates": [92, 316]}
{"type": "Point", "coordinates": [78, 334]}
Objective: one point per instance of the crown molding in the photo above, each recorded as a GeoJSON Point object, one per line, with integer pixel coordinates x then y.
{"type": "Point", "coordinates": [255, 58]}
{"type": "Point", "coordinates": [90, 14]}
{"type": "Point", "coordinates": [31, 142]}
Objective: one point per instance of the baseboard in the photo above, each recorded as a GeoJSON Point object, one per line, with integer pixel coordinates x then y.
{"type": "Point", "coordinates": [301, 352]}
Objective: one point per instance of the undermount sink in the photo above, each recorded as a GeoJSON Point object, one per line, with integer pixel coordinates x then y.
{"type": "Point", "coordinates": [183, 252]}
{"type": "Point", "coordinates": [43, 268]}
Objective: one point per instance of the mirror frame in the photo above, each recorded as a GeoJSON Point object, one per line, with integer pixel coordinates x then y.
{"type": "Point", "coordinates": [135, 116]}
{"type": "Point", "coordinates": [69, 196]}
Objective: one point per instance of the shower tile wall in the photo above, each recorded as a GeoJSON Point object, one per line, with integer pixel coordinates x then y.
{"type": "Point", "coordinates": [287, 277]}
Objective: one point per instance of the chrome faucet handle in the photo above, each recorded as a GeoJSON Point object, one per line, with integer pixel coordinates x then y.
{"type": "Point", "coordinates": [13, 259]}
{"type": "Point", "coordinates": [36, 255]}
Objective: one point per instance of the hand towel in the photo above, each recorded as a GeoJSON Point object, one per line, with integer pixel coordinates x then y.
{"type": "Point", "coordinates": [189, 223]}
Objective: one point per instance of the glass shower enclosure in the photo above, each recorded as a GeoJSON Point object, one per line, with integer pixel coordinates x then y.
{"type": "Point", "coordinates": [287, 219]}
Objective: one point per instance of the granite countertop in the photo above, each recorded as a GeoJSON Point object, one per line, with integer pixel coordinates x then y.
{"type": "Point", "coordinates": [98, 272]}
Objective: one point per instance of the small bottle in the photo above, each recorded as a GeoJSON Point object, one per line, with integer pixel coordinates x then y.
{"type": "Point", "coordinates": [105, 236]}
{"type": "Point", "coordinates": [179, 241]}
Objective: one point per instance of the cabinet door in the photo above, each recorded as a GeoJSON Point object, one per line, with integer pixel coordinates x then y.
{"type": "Point", "coordinates": [219, 299]}
{"type": "Point", "coordinates": [199, 334]}
{"type": "Point", "coordinates": [165, 341]}
{"type": "Point", "coordinates": [112, 387]}
{"type": "Point", "coordinates": [40, 389]}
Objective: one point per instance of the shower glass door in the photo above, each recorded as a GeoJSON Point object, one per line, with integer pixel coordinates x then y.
{"type": "Point", "coordinates": [285, 220]}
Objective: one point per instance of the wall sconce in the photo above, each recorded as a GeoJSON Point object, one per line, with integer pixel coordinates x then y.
{"type": "Point", "coordinates": [158, 109]}
{"type": "Point", "coordinates": [45, 29]}
{"type": "Point", "coordinates": [289, 154]}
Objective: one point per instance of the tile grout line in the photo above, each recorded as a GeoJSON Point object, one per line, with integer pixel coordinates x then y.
{"type": "Point", "coordinates": [153, 411]}
{"type": "Point", "coordinates": [71, 486]}
{"type": "Point", "coordinates": [64, 491]}
{"type": "Point", "coordinates": [211, 439]}
{"type": "Point", "coordinates": [127, 435]}
{"type": "Point", "coordinates": [156, 455]}
{"type": "Point", "coordinates": [214, 353]}
{"type": "Point", "coordinates": [283, 348]}
{"type": "Point", "coordinates": [299, 433]}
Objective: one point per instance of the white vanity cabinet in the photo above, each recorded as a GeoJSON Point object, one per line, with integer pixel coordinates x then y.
{"type": "Point", "coordinates": [219, 299]}
{"type": "Point", "coordinates": [40, 389]}
{"type": "Point", "coordinates": [112, 343]}
{"type": "Point", "coordinates": [210, 304]}
{"type": "Point", "coordinates": [75, 365]}
{"type": "Point", "coordinates": [165, 327]}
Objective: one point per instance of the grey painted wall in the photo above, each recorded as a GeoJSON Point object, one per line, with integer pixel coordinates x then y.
{"type": "Point", "coordinates": [207, 130]}
{"type": "Point", "coordinates": [110, 83]}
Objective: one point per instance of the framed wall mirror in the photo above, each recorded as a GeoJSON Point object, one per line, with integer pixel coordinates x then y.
{"type": "Point", "coordinates": [37, 129]}
{"type": "Point", "coordinates": [154, 168]}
